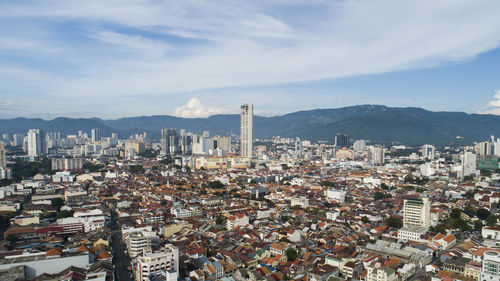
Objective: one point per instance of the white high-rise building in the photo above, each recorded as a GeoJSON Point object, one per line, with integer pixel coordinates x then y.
{"type": "Point", "coordinates": [359, 146]}
{"type": "Point", "coordinates": [298, 148]}
{"type": "Point", "coordinates": [246, 137]}
{"type": "Point", "coordinates": [376, 155]}
{"type": "Point", "coordinates": [95, 135]}
{"type": "Point", "coordinates": [417, 212]}
{"type": "Point", "coordinates": [468, 163]}
{"type": "Point", "coordinates": [36, 143]}
{"type": "Point", "coordinates": [428, 151]}
{"type": "Point", "coordinates": [3, 160]}
{"type": "Point", "coordinates": [491, 266]}
{"type": "Point", "coordinates": [484, 148]}
{"type": "Point", "coordinates": [496, 148]}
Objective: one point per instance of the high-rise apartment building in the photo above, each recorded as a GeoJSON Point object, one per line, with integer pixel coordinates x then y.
{"type": "Point", "coordinates": [428, 151]}
{"type": "Point", "coordinates": [298, 148]}
{"type": "Point", "coordinates": [95, 135]}
{"type": "Point", "coordinates": [376, 155]}
{"type": "Point", "coordinates": [484, 148]}
{"type": "Point", "coordinates": [246, 137]}
{"type": "Point", "coordinates": [416, 212]}
{"type": "Point", "coordinates": [468, 163]}
{"type": "Point", "coordinates": [359, 146]}
{"type": "Point", "coordinates": [3, 160]}
{"type": "Point", "coordinates": [341, 140]}
{"type": "Point", "coordinates": [36, 143]}
{"type": "Point", "coordinates": [169, 142]}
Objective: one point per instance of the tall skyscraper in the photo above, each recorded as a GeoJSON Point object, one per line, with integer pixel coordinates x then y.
{"type": "Point", "coordinates": [484, 148]}
{"type": "Point", "coordinates": [169, 142]}
{"type": "Point", "coordinates": [246, 138]}
{"type": "Point", "coordinates": [341, 140]}
{"type": "Point", "coordinates": [376, 155]}
{"type": "Point", "coordinates": [496, 148]}
{"type": "Point", "coordinates": [3, 160]}
{"type": "Point", "coordinates": [417, 212]}
{"type": "Point", "coordinates": [469, 163]}
{"type": "Point", "coordinates": [298, 148]}
{"type": "Point", "coordinates": [359, 146]}
{"type": "Point", "coordinates": [95, 135]}
{"type": "Point", "coordinates": [36, 143]}
{"type": "Point", "coordinates": [428, 151]}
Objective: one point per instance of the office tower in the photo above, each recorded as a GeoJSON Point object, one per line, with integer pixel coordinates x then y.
{"type": "Point", "coordinates": [468, 163]}
{"type": "Point", "coordinates": [223, 142]}
{"type": "Point", "coordinates": [376, 155]}
{"type": "Point", "coordinates": [246, 137]}
{"type": "Point", "coordinates": [298, 148]}
{"type": "Point", "coordinates": [496, 148]}
{"type": "Point", "coordinates": [428, 151]}
{"type": "Point", "coordinates": [95, 135]}
{"type": "Point", "coordinates": [186, 143]}
{"type": "Point", "coordinates": [17, 140]}
{"type": "Point", "coordinates": [3, 160]}
{"type": "Point", "coordinates": [417, 212]}
{"type": "Point", "coordinates": [169, 142]}
{"type": "Point", "coordinates": [484, 148]}
{"type": "Point", "coordinates": [36, 143]}
{"type": "Point", "coordinates": [206, 134]}
{"type": "Point", "coordinates": [341, 140]}
{"type": "Point", "coordinates": [359, 146]}
{"type": "Point", "coordinates": [490, 269]}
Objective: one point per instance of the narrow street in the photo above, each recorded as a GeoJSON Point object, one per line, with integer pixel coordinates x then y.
{"type": "Point", "coordinates": [120, 259]}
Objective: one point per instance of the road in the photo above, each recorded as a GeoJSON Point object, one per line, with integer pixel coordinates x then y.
{"type": "Point", "coordinates": [120, 259]}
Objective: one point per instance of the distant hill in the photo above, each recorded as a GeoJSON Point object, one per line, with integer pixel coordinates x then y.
{"type": "Point", "coordinates": [378, 123]}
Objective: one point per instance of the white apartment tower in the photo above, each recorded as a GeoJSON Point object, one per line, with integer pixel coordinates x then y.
{"type": "Point", "coordinates": [376, 155]}
{"type": "Point", "coordinates": [95, 135]}
{"type": "Point", "coordinates": [3, 160]}
{"type": "Point", "coordinates": [36, 143]}
{"type": "Point", "coordinates": [491, 266]}
{"type": "Point", "coordinates": [416, 212]}
{"type": "Point", "coordinates": [428, 151]}
{"type": "Point", "coordinates": [246, 137]}
{"type": "Point", "coordinates": [468, 163]}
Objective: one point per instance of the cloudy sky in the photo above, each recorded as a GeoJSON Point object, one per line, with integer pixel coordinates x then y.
{"type": "Point", "coordinates": [193, 58]}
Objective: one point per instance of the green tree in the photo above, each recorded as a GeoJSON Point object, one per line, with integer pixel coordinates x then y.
{"type": "Point", "coordinates": [384, 186]}
{"type": "Point", "coordinates": [455, 213]}
{"type": "Point", "coordinates": [219, 220]}
{"type": "Point", "coordinates": [291, 254]}
{"type": "Point", "coordinates": [365, 219]}
{"type": "Point", "coordinates": [483, 214]}
{"type": "Point", "coordinates": [327, 183]}
{"type": "Point", "coordinates": [478, 225]}
{"type": "Point", "coordinates": [378, 196]}
{"type": "Point", "coordinates": [216, 185]}
{"type": "Point", "coordinates": [394, 222]}
{"type": "Point", "coordinates": [136, 169]}
{"type": "Point", "coordinates": [491, 220]}
{"type": "Point", "coordinates": [57, 203]}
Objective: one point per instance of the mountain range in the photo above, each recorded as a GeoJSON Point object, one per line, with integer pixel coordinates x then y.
{"type": "Point", "coordinates": [378, 123]}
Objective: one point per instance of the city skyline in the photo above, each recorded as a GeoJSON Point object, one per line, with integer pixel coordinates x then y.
{"type": "Point", "coordinates": [193, 59]}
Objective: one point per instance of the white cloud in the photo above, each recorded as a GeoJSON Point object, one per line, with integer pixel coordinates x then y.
{"type": "Point", "coordinates": [194, 109]}
{"type": "Point", "coordinates": [173, 47]}
{"type": "Point", "coordinates": [493, 106]}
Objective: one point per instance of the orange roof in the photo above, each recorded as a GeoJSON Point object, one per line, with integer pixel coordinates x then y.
{"type": "Point", "coordinates": [53, 252]}
{"type": "Point", "coordinates": [449, 238]}
{"type": "Point", "coordinates": [82, 248]}
{"type": "Point", "coordinates": [103, 255]}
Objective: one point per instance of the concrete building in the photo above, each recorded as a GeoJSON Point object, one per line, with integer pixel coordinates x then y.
{"type": "Point", "coordinates": [95, 135]}
{"type": "Point", "coordinates": [3, 159]}
{"type": "Point", "coordinates": [337, 195]}
{"type": "Point", "coordinates": [36, 143]}
{"type": "Point", "coordinates": [236, 220]}
{"type": "Point", "coordinates": [491, 266]}
{"type": "Point", "coordinates": [152, 263]}
{"type": "Point", "coordinates": [67, 164]}
{"type": "Point", "coordinates": [376, 155]}
{"type": "Point", "coordinates": [484, 148]}
{"type": "Point", "coordinates": [416, 212]}
{"type": "Point", "coordinates": [428, 151]}
{"type": "Point", "coordinates": [359, 146]}
{"type": "Point", "coordinates": [468, 163]}
{"type": "Point", "coordinates": [246, 136]}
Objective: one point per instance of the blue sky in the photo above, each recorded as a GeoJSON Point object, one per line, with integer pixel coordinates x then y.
{"type": "Point", "coordinates": [191, 58]}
